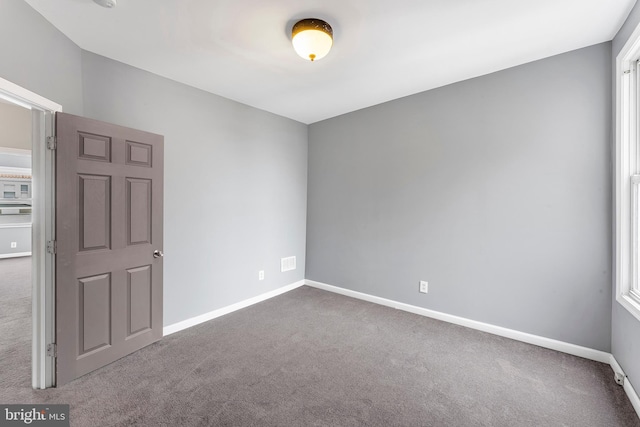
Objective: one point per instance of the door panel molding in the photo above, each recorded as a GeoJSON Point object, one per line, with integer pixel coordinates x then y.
{"type": "Point", "coordinates": [94, 202]}
{"type": "Point", "coordinates": [139, 208]}
{"type": "Point", "coordinates": [139, 154]}
{"type": "Point", "coordinates": [140, 295]}
{"type": "Point", "coordinates": [94, 314]}
{"type": "Point", "coordinates": [94, 147]}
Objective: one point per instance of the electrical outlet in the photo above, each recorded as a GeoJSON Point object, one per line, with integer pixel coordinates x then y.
{"type": "Point", "coordinates": [14, 245]}
{"type": "Point", "coordinates": [261, 275]}
{"type": "Point", "coordinates": [424, 287]}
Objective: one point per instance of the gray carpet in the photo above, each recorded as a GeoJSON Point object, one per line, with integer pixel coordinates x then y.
{"type": "Point", "coordinates": [313, 358]}
{"type": "Point", "coordinates": [15, 324]}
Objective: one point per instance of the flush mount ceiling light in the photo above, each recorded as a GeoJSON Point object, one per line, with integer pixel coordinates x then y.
{"type": "Point", "coordinates": [107, 3]}
{"type": "Point", "coordinates": [312, 38]}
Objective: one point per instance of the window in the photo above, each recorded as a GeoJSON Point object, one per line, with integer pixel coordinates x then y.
{"type": "Point", "coordinates": [627, 175]}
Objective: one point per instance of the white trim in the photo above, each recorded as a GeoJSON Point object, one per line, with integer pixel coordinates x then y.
{"type": "Point", "coordinates": [625, 158]}
{"type": "Point", "coordinates": [632, 306]}
{"type": "Point", "coordinates": [42, 373]}
{"type": "Point", "coordinates": [632, 395]}
{"type": "Point", "coordinates": [15, 255]}
{"type": "Point", "coordinates": [628, 388]}
{"type": "Point", "coordinates": [14, 101]}
{"type": "Point", "coordinates": [617, 369]}
{"type": "Point", "coordinates": [168, 330]}
{"type": "Point", "coordinates": [25, 97]}
{"type": "Point", "coordinates": [576, 350]}
{"type": "Point", "coordinates": [44, 220]}
{"type": "Point", "coordinates": [587, 353]}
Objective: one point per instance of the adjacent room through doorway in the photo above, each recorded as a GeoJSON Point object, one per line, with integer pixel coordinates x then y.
{"type": "Point", "coordinates": [16, 188]}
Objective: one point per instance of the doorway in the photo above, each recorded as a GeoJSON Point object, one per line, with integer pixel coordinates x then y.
{"type": "Point", "coordinates": [111, 186]}
{"type": "Point", "coordinates": [35, 203]}
{"type": "Point", "coordinates": [16, 188]}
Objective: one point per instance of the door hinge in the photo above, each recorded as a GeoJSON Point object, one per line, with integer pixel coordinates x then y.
{"type": "Point", "coordinates": [52, 350]}
{"type": "Point", "coordinates": [52, 142]}
{"type": "Point", "coordinates": [51, 246]}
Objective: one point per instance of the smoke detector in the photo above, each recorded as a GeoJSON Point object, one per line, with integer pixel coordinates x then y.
{"type": "Point", "coordinates": [109, 4]}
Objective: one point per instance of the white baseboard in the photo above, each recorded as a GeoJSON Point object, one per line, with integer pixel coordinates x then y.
{"type": "Point", "coordinates": [628, 388]}
{"type": "Point", "coordinates": [576, 350]}
{"type": "Point", "coordinates": [168, 330]}
{"type": "Point", "coordinates": [15, 255]}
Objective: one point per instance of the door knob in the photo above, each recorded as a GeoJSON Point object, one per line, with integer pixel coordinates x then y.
{"type": "Point", "coordinates": [157, 254]}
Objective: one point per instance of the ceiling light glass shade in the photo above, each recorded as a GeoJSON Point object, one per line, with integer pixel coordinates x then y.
{"type": "Point", "coordinates": [312, 38]}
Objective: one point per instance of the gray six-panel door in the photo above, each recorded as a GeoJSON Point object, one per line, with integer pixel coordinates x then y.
{"type": "Point", "coordinates": [109, 201]}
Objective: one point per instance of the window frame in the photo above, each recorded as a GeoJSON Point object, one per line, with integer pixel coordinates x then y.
{"type": "Point", "coordinates": [627, 176]}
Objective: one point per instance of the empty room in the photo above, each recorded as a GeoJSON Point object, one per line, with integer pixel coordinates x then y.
{"type": "Point", "coordinates": [320, 213]}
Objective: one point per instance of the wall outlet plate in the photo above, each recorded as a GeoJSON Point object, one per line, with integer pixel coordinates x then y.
{"type": "Point", "coordinates": [424, 287]}
{"type": "Point", "coordinates": [261, 275]}
{"type": "Point", "coordinates": [14, 245]}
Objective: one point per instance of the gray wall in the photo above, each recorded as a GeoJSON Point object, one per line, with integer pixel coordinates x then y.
{"type": "Point", "coordinates": [496, 190]}
{"type": "Point", "coordinates": [15, 127]}
{"type": "Point", "coordinates": [38, 57]}
{"type": "Point", "coordinates": [625, 334]}
{"type": "Point", "coordinates": [22, 237]}
{"type": "Point", "coordinates": [235, 177]}
{"type": "Point", "coordinates": [235, 185]}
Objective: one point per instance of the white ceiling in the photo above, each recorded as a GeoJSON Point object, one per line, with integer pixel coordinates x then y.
{"type": "Point", "coordinates": [383, 49]}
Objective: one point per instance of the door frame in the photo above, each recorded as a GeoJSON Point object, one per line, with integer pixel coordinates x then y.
{"type": "Point", "coordinates": [43, 228]}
